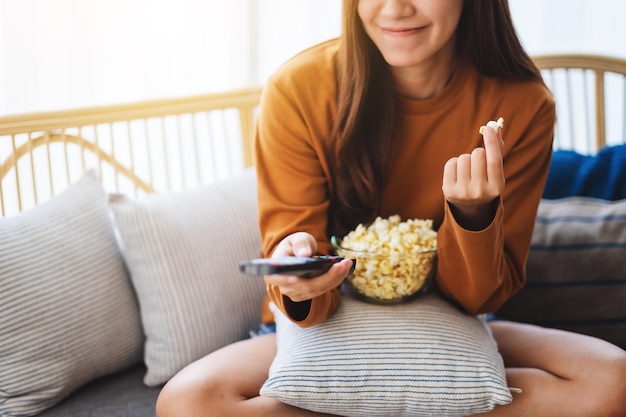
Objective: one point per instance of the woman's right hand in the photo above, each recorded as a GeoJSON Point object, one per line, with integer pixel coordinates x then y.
{"type": "Point", "coordinates": [473, 182]}
{"type": "Point", "coordinates": [300, 289]}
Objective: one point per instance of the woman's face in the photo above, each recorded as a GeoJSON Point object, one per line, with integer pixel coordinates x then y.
{"type": "Point", "coordinates": [410, 32]}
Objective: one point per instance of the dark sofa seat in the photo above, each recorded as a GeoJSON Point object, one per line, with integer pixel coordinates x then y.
{"type": "Point", "coordinates": [120, 395]}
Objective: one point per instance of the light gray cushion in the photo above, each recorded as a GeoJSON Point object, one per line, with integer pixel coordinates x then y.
{"type": "Point", "coordinates": [423, 358]}
{"type": "Point", "coordinates": [576, 270]}
{"type": "Point", "coordinates": [67, 310]}
{"type": "Point", "coordinates": [183, 252]}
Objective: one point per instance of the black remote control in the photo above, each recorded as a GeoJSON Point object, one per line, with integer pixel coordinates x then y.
{"type": "Point", "coordinates": [305, 267]}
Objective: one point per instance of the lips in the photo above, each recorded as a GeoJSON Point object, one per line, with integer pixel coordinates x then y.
{"type": "Point", "coordinates": [399, 32]}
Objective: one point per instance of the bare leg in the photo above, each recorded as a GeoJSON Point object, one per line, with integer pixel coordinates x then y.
{"type": "Point", "coordinates": [560, 373]}
{"type": "Point", "coordinates": [226, 383]}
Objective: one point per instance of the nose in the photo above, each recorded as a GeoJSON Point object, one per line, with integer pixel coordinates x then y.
{"type": "Point", "coordinates": [397, 8]}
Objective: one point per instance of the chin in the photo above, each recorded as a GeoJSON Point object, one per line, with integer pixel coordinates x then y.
{"type": "Point", "coordinates": [402, 60]}
{"type": "Point", "coordinates": [407, 57]}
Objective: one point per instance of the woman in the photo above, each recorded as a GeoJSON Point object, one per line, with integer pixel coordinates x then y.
{"type": "Point", "coordinates": [384, 121]}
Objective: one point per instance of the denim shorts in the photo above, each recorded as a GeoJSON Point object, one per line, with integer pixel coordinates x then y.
{"type": "Point", "coordinates": [264, 329]}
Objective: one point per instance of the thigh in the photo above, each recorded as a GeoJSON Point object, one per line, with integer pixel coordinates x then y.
{"type": "Point", "coordinates": [561, 373]}
{"type": "Point", "coordinates": [226, 383]}
{"type": "Point", "coordinates": [238, 370]}
{"type": "Point", "coordinates": [561, 353]}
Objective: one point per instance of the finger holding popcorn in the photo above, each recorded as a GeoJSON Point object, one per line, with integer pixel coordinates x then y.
{"type": "Point", "coordinates": [477, 178]}
{"type": "Point", "coordinates": [493, 155]}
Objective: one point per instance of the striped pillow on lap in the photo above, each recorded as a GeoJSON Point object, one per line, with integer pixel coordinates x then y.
{"type": "Point", "coordinates": [423, 358]}
{"type": "Point", "coordinates": [576, 269]}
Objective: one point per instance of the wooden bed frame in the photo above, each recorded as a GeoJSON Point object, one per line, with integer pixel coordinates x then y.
{"type": "Point", "coordinates": [172, 144]}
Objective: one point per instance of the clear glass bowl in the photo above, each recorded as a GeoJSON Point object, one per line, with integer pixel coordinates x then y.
{"type": "Point", "coordinates": [388, 279]}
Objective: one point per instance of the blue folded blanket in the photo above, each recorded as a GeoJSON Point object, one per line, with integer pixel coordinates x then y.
{"type": "Point", "coordinates": [601, 176]}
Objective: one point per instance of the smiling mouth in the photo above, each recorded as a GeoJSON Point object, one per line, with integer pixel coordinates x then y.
{"type": "Point", "coordinates": [402, 31]}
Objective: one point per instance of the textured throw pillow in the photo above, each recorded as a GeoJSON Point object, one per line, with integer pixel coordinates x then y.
{"type": "Point", "coordinates": [68, 313]}
{"type": "Point", "coordinates": [576, 270]}
{"type": "Point", "coordinates": [183, 252]}
{"type": "Point", "coordinates": [423, 358]}
{"type": "Point", "coordinates": [602, 175]}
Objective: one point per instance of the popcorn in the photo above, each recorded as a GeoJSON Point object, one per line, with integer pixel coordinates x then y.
{"type": "Point", "coordinates": [494, 125]}
{"type": "Point", "coordinates": [394, 258]}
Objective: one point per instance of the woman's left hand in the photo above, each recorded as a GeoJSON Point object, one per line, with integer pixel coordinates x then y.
{"type": "Point", "coordinates": [473, 182]}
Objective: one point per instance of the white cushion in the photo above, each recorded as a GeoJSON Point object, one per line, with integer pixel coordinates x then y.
{"type": "Point", "coordinates": [423, 358]}
{"type": "Point", "coordinates": [68, 313]}
{"type": "Point", "coordinates": [183, 252]}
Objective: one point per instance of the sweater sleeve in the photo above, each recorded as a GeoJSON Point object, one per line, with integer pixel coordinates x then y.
{"type": "Point", "coordinates": [483, 269]}
{"type": "Point", "coordinates": [293, 187]}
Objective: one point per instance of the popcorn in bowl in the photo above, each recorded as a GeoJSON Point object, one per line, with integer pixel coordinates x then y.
{"type": "Point", "coordinates": [395, 259]}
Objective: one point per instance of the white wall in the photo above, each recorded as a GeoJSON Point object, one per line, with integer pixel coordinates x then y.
{"type": "Point", "coordinates": [589, 26]}
{"type": "Point", "coordinates": [58, 54]}
{"type": "Point", "coordinates": [288, 26]}
{"type": "Point", "coordinates": [67, 53]}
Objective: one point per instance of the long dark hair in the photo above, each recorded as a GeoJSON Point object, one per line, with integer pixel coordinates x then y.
{"type": "Point", "coordinates": [366, 107]}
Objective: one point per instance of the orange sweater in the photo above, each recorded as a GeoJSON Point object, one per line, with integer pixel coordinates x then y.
{"type": "Point", "coordinates": [479, 270]}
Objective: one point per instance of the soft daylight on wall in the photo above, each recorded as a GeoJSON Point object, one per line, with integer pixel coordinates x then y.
{"type": "Point", "coordinates": [57, 54]}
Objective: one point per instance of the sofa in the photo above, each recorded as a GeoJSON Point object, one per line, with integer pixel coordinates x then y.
{"type": "Point", "coordinates": [78, 306]}
{"type": "Point", "coordinates": [79, 337]}
{"type": "Point", "coordinates": [116, 279]}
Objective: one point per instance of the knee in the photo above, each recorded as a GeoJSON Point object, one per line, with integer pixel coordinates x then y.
{"type": "Point", "coordinates": [184, 397]}
{"type": "Point", "coordinates": [165, 404]}
{"type": "Point", "coordinates": [173, 399]}
{"type": "Point", "coordinates": [620, 391]}
{"type": "Point", "coordinates": [610, 386]}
